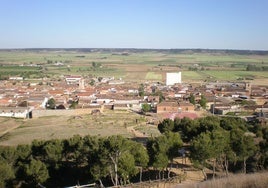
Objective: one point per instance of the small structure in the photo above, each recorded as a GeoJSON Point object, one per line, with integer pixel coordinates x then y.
{"type": "Point", "coordinates": [173, 78]}
{"type": "Point", "coordinates": [73, 79]}
{"type": "Point", "coordinates": [18, 78]}
{"type": "Point", "coordinates": [174, 107]}
{"type": "Point", "coordinates": [16, 112]}
{"type": "Point", "coordinates": [186, 106]}
{"type": "Point", "coordinates": [170, 107]}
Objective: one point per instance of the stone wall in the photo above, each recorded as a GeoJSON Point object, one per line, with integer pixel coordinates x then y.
{"type": "Point", "coordinates": [71, 112]}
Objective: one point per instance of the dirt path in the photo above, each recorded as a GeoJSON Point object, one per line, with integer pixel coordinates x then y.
{"type": "Point", "coordinates": [7, 125]}
{"type": "Point", "coordinates": [185, 167]}
{"type": "Point", "coordinates": [136, 133]}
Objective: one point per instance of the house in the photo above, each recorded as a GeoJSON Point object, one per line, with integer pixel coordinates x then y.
{"type": "Point", "coordinates": [223, 109]}
{"type": "Point", "coordinates": [121, 107]}
{"type": "Point", "coordinates": [167, 106]}
{"type": "Point", "coordinates": [56, 92]}
{"type": "Point", "coordinates": [185, 107]}
{"type": "Point", "coordinates": [115, 82]}
{"type": "Point", "coordinates": [151, 99]}
{"type": "Point", "coordinates": [103, 98]}
{"type": "Point", "coordinates": [128, 101]}
{"type": "Point", "coordinates": [73, 79]}
{"type": "Point", "coordinates": [6, 101]}
{"type": "Point", "coordinates": [180, 94]}
{"type": "Point", "coordinates": [18, 78]}
{"type": "Point", "coordinates": [16, 112]}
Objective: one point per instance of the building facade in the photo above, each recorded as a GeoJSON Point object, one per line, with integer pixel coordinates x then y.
{"type": "Point", "coordinates": [173, 78]}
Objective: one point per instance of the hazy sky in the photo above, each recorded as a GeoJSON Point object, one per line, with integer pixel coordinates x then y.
{"type": "Point", "coordinates": [219, 24]}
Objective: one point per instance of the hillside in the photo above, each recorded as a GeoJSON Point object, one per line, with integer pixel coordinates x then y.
{"type": "Point", "coordinates": [256, 180]}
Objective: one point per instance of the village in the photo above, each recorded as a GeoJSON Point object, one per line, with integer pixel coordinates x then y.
{"type": "Point", "coordinates": [73, 94]}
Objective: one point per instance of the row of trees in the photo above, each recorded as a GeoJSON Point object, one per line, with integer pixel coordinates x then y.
{"type": "Point", "coordinates": [256, 68]}
{"type": "Point", "coordinates": [225, 143]}
{"type": "Point", "coordinates": [112, 160]}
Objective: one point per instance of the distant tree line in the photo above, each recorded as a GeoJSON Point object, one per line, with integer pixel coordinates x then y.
{"type": "Point", "coordinates": [256, 68]}
{"type": "Point", "coordinates": [139, 50]}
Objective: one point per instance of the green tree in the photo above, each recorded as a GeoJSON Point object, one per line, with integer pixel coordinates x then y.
{"type": "Point", "coordinates": [100, 79]}
{"type": "Point", "coordinates": [243, 145]}
{"type": "Point", "coordinates": [97, 157]}
{"type": "Point", "coordinates": [126, 166]}
{"type": "Point", "coordinates": [113, 154]}
{"type": "Point", "coordinates": [166, 125]}
{"type": "Point", "coordinates": [187, 128]}
{"type": "Point", "coordinates": [114, 146]}
{"type": "Point", "coordinates": [53, 150]}
{"type": "Point", "coordinates": [174, 144]}
{"type": "Point", "coordinates": [94, 64]}
{"type": "Point", "coordinates": [141, 90]}
{"type": "Point", "coordinates": [8, 154]}
{"type": "Point", "coordinates": [160, 94]}
{"type": "Point", "coordinates": [6, 173]}
{"type": "Point", "coordinates": [203, 102]}
{"type": "Point", "coordinates": [140, 155]}
{"type": "Point", "coordinates": [208, 123]}
{"type": "Point", "coordinates": [192, 99]}
{"type": "Point", "coordinates": [51, 103]}
{"type": "Point", "coordinates": [37, 149]}
{"type": "Point", "coordinates": [23, 151]}
{"type": "Point", "coordinates": [163, 149]}
{"type": "Point", "coordinates": [202, 150]}
{"type": "Point", "coordinates": [264, 154]}
{"type": "Point", "coordinates": [220, 143]}
{"type": "Point", "coordinates": [73, 105]}
{"type": "Point", "coordinates": [92, 82]}
{"type": "Point", "coordinates": [157, 150]}
{"type": "Point", "coordinates": [35, 172]}
{"type": "Point", "coordinates": [146, 107]}
{"type": "Point", "coordinates": [72, 150]}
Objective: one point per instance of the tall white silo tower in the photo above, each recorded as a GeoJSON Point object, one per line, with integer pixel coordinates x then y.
{"type": "Point", "coordinates": [173, 78]}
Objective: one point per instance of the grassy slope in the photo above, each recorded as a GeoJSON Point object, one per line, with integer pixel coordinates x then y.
{"type": "Point", "coordinates": [52, 127]}
{"type": "Point", "coordinates": [256, 180]}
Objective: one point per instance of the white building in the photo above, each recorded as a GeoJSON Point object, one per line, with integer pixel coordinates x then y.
{"type": "Point", "coordinates": [173, 78]}
{"type": "Point", "coordinates": [16, 112]}
{"type": "Point", "coordinates": [16, 78]}
{"type": "Point", "coordinates": [73, 79]}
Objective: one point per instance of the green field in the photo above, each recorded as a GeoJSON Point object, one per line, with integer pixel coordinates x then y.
{"type": "Point", "coordinates": [148, 65]}
{"type": "Point", "coordinates": [191, 75]}
{"type": "Point", "coordinates": [223, 75]}
{"type": "Point", "coordinates": [153, 76]}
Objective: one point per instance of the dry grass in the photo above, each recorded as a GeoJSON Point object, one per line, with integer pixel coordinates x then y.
{"type": "Point", "coordinates": [14, 131]}
{"type": "Point", "coordinates": [256, 180]}
{"type": "Point", "coordinates": [7, 124]}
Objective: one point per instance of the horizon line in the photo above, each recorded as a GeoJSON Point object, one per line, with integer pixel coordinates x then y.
{"type": "Point", "coordinates": [133, 48]}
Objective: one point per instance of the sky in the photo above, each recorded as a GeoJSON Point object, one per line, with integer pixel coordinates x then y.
{"type": "Point", "coordinates": [157, 24]}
